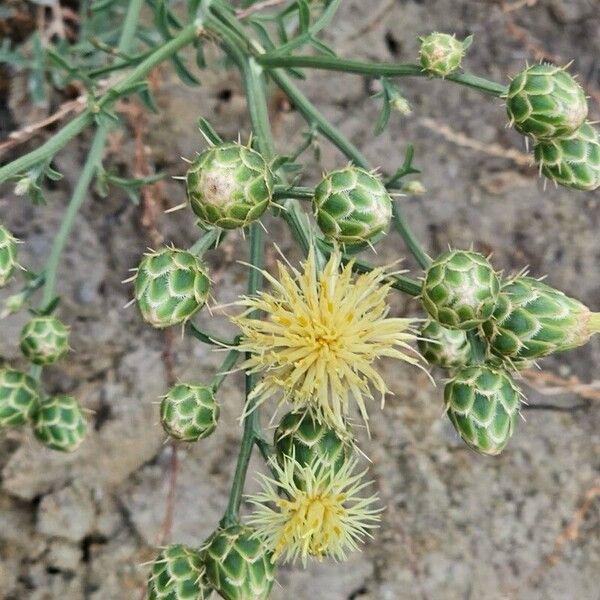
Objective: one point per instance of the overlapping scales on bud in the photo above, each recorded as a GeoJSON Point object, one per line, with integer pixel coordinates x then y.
{"type": "Point", "coordinates": [44, 339]}
{"type": "Point", "coordinates": [301, 436]}
{"type": "Point", "coordinates": [170, 286]}
{"type": "Point", "coordinates": [441, 53]}
{"type": "Point", "coordinates": [352, 206]}
{"type": "Point", "coordinates": [573, 161]}
{"type": "Point", "coordinates": [229, 186]}
{"type": "Point", "coordinates": [8, 255]}
{"type": "Point", "coordinates": [446, 348]}
{"type": "Point", "coordinates": [532, 320]}
{"type": "Point", "coordinates": [460, 289]}
{"type": "Point", "coordinates": [238, 564]}
{"type": "Point", "coordinates": [178, 574]}
{"type": "Point", "coordinates": [482, 403]}
{"type": "Point", "coordinates": [59, 423]}
{"type": "Point", "coordinates": [189, 412]}
{"type": "Point", "coordinates": [545, 102]}
{"type": "Point", "coordinates": [19, 398]}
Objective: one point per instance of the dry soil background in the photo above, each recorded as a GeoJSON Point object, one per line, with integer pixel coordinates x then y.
{"type": "Point", "coordinates": [457, 525]}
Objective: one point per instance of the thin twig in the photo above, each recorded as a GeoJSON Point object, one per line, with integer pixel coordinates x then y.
{"type": "Point", "coordinates": [246, 12]}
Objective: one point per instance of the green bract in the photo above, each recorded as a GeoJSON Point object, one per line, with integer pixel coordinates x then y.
{"type": "Point", "coordinates": [441, 53]}
{"type": "Point", "coordinates": [573, 161]}
{"type": "Point", "coordinates": [18, 398]}
{"type": "Point", "coordinates": [238, 565]}
{"type": "Point", "coordinates": [178, 574]}
{"type": "Point", "coordinates": [447, 348]}
{"type": "Point", "coordinates": [59, 423]}
{"type": "Point", "coordinates": [44, 340]}
{"type": "Point", "coordinates": [460, 289]}
{"type": "Point", "coordinates": [545, 102]}
{"type": "Point", "coordinates": [189, 412]}
{"type": "Point", "coordinates": [170, 286]}
{"type": "Point", "coordinates": [352, 206]}
{"type": "Point", "coordinates": [533, 320]}
{"type": "Point", "coordinates": [8, 255]}
{"type": "Point", "coordinates": [483, 405]}
{"type": "Point", "coordinates": [229, 186]}
{"type": "Point", "coordinates": [301, 436]}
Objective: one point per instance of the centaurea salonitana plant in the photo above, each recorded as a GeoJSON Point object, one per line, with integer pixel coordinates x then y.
{"type": "Point", "coordinates": [315, 337]}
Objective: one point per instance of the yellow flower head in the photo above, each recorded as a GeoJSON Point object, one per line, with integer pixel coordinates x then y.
{"type": "Point", "coordinates": [325, 516]}
{"type": "Point", "coordinates": [320, 338]}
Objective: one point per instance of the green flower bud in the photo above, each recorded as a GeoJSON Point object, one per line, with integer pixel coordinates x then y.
{"type": "Point", "coordinates": [352, 206]}
{"type": "Point", "coordinates": [447, 348]}
{"type": "Point", "coordinates": [59, 423]}
{"type": "Point", "coordinates": [545, 102]}
{"type": "Point", "coordinates": [189, 412]}
{"type": "Point", "coordinates": [229, 186]}
{"type": "Point", "coordinates": [302, 436]}
{"type": "Point", "coordinates": [44, 340]}
{"type": "Point", "coordinates": [441, 53]}
{"type": "Point", "coordinates": [18, 398]}
{"type": "Point", "coordinates": [238, 565]}
{"type": "Point", "coordinates": [483, 405]}
{"type": "Point", "coordinates": [8, 255]}
{"type": "Point", "coordinates": [170, 286]}
{"type": "Point", "coordinates": [532, 320]}
{"type": "Point", "coordinates": [573, 161]}
{"type": "Point", "coordinates": [460, 289]}
{"type": "Point", "coordinates": [178, 574]}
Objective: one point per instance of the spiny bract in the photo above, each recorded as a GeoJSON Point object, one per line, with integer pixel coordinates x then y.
{"type": "Point", "coordinates": [189, 412]}
{"type": "Point", "coordinates": [460, 289]}
{"type": "Point", "coordinates": [441, 53]}
{"type": "Point", "coordinates": [229, 186]}
{"type": "Point", "coordinates": [59, 423]}
{"type": "Point", "coordinates": [170, 286]}
{"type": "Point", "coordinates": [238, 565]}
{"type": "Point", "coordinates": [573, 161]}
{"type": "Point", "coordinates": [18, 397]}
{"type": "Point", "coordinates": [447, 348]}
{"type": "Point", "coordinates": [483, 405]}
{"type": "Point", "coordinates": [545, 102]}
{"type": "Point", "coordinates": [44, 339]}
{"type": "Point", "coordinates": [533, 320]}
{"type": "Point", "coordinates": [352, 206]}
{"type": "Point", "coordinates": [302, 436]}
{"type": "Point", "coordinates": [8, 255]}
{"type": "Point", "coordinates": [178, 574]}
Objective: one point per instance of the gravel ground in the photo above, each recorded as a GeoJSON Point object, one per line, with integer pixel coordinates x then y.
{"type": "Point", "coordinates": [456, 525]}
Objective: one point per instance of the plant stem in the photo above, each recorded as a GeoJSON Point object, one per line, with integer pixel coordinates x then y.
{"type": "Point", "coordinates": [209, 338]}
{"type": "Point", "coordinates": [335, 63]}
{"type": "Point", "coordinates": [409, 237]}
{"type": "Point", "coordinates": [229, 362]}
{"type": "Point", "coordinates": [209, 240]}
{"type": "Point", "coordinates": [283, 192]}
{"type": "Point", "coordinates": [79, 123]}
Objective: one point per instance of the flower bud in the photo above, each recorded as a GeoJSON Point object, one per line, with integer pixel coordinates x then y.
{"type": "Point", "coordinates": [178, 574]}
{"type": "Point", "coordinates": [59, 423]}
{"type": "Point", "coordinates": [441, 53]}
{"type": "Point", "coordinates": [170, 286]}
{"type": "Point", "coordinates": [229, 186]}
{"type": "Point", "coordinates": [545, 102]}
{"type": "Point", "coordinates": [483, 404]}
{"type": "Point", "coordinates": [532, 320]}
{"type": "Point", "coordinates": [573, 161]}
{"type": "Point", "coordinates": [238, 565]}
{"type": "Point", "coordinates": [302, 437]}
{"type": "Point", "coordinates": [446, 348]}
{"type": "Point", "coordinates": [44, 339]}
{"type": "Point", "coordinates": [18, 398]}
{"type": "Point", "coordinates": [189, 412]}
{"type": "Point", "coordinates": [8, 255]}
{"type": "Point", "coordinates": [352, 206]}
{"type": "Point", "coordinates": [460, 289]}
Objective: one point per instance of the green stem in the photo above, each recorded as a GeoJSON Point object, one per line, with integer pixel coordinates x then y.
{"type": "Point", "coordinates": [284, 192]}
{"type": "Point", "coordinates": [409, 237]}
{"type": "Point", "coordinates": [209, 338]}
{"type": "Point", "coordinates": [228, 364]}
{"type": "Point", "coordinates": [79, 123]}
{"type": "Point", "coordinates": [478, 350]}
{"type": "Point", "coordinates": [274, 60]}
{"type": "Point", "coordinates": [208, 241]}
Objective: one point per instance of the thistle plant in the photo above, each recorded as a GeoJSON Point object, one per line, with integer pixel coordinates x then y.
{"type": "Point", "coordinates": [312, 336]}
